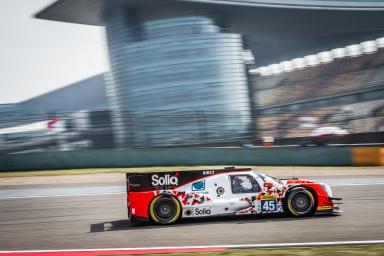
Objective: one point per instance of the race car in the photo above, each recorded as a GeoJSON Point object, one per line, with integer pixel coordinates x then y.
{"type": "Point", "coordinates": [322, 136]}
{"type": "Point", "coordinates": [166, 197]}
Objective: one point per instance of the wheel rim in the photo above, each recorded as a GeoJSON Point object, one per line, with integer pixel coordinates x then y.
{"type": "Point", "coordinates": [164, 209]}
{"type": "Point", "coordinates": [301, 203]}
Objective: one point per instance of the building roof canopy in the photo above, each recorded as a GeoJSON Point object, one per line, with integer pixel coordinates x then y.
{"type": "Point", "coordinates": [275, 30]}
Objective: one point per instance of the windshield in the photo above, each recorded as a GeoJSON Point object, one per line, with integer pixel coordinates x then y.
{"type": "Point", "coordinates": [270, 179]}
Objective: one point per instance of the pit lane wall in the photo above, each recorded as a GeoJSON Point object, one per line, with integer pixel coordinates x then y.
{"type": "Point", "coordinates": [294, 156]}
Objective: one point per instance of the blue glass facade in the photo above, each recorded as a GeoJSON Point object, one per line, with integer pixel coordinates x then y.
{"type": "Point", "coordinates": [176, 81]}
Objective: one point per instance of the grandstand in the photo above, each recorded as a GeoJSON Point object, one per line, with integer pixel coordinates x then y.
{"type": "Point", "coordinates": [345, 91]}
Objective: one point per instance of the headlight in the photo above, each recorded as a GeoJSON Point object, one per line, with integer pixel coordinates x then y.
{"type": "Point", "coordinates": [327, 189]}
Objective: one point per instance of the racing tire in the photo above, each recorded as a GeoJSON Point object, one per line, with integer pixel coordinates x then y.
{"type": "Point", "coordinates": [164, 209]}
{"type": "Point", "coordinates": [300, 202]}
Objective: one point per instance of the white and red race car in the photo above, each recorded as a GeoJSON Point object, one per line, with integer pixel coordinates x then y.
{"type": "Point", "coordinates": [165, 197]}
{"type": "Point", "coordinates": [322, 136]}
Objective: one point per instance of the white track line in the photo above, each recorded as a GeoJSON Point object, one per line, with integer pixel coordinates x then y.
{"type": "Point", "coordinates": [358, 184]}
{"type": "Point", "coordinates": [73, 195]}
{"type": "Point", "coordinates": [230, 246]}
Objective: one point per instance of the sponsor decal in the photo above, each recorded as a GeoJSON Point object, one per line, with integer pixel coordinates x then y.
{"type": "Point", "coordinates": [166, 180]}
{"type": "Point", "coordinates": [268, 197]}
{"type": "Point", "coordinates": [279, 207]}
{"type": "Point", "coordinates": [326, 207]}
{"type": "Point", "coordinates": [202, 211]}
{"type": "Point", "coordinates": [208, 172]}
{"type": "Point", "coordinates": [198, 186]}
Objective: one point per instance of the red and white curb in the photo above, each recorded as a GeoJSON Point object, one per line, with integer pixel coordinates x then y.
{"type": "Point", "coordinates": [180, 249]}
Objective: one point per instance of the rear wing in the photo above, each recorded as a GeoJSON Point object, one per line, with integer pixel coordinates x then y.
{"type": "Point", "coordinates": [140, 182]}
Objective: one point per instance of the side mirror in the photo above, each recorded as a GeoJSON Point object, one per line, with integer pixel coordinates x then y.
{"type": "Point", "coordinates": [268, 185]}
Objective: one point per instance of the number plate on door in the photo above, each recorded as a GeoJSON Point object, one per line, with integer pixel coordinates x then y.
{"type": "Point", "coordinates": [268, 206]}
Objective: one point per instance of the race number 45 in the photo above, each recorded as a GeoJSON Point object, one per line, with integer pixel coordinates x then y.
{"type": "Point", "coordinates": [268, 205]}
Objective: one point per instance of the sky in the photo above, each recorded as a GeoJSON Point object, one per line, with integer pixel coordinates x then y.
{"type": "Point", "coordinates": [37, 56]}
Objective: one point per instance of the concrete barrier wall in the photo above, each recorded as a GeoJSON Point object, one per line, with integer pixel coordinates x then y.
{"type": "Point", "coordinates": [315, 156]}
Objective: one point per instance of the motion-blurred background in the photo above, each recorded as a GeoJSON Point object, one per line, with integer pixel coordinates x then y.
{"type": "Point", "coordinates": [186, 73]}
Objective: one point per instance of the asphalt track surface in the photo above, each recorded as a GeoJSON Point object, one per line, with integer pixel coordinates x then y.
{"type": "Point", "coordinates": [92, 220]}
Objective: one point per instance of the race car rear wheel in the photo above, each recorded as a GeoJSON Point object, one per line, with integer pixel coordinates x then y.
{"type": "Point", "coordinates": [164, 209]}
{"type": "Point", "coordinates": [300, 202]}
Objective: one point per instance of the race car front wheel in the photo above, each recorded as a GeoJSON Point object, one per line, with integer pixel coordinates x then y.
{"type": "Point", "coordinates": [164, 209]}
{"type": "Point", "coordinates": [300, 202]}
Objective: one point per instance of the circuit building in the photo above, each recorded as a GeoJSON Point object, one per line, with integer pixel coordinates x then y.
{"type": "Point", "coordinates": [173, 61]}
